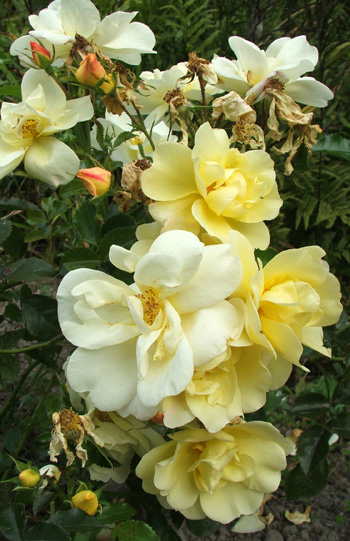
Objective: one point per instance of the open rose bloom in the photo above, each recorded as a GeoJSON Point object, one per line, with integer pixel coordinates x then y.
{"type": "Point", "coordinates": [221, 475]}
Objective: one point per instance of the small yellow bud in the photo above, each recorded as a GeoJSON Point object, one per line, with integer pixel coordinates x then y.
{"type": "Point", "coordinates": [86, 501]}
{"type": "Point", "coordinates": [29, 478]}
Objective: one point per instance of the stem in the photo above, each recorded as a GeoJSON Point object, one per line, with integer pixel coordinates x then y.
{"type": "Point", "coordinates": [56, 79]}
{"type": "Point", "coordinates": [202, 86]}
{"type": "Point", "coordinates": [34, 346]}
{"type": "Point", "coordinates": [15, 391]}
{"type": "Point", "coordinates": [29, 429]}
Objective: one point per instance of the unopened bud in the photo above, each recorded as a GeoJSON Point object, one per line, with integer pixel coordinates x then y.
{"type": "Point", "coordinates": [91, 71]}
{"type": "Point", "coordinates": [86, 501]}
{"type": "Point", "coordinates": [29, 478]}
{"type": "Point", "coordinates": [41, 56]}
{"type": "Point", "coordinates": [96, 180]}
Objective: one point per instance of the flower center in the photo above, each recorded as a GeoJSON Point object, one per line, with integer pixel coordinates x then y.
{"type": "Point", "coordinates": [29, 128]}
{"type": "Point", "coordinates": [151, 305]}
{"type": "Point", "coordinates": [175, 96]}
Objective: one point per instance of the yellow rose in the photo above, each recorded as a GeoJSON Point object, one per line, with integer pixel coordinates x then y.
{"type": "Point", "coordinates": [221, 475]}
{"type": "Point", "coordinates": [213, 187]}
{"type": "Point", "coordinates": [287, 304]}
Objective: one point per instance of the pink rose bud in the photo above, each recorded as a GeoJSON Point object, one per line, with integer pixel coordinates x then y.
{"type": "Point", "coordinates": [41, 56]}
{"type": "Point", "coordinates": [90, 72]}
{"type": "Point", "coordinates": [96, 180]}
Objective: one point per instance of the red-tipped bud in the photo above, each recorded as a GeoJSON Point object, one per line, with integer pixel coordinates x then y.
{"type": "Point", "coordinates": [90, 72]}
{"type": "Point", "coordinates": [96, 180]}
{"type": "Point", "coordinates": [41, 56]}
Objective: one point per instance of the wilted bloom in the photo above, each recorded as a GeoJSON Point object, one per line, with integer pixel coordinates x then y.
{"type": "Point", "coordinates": [41, 56]}
{"type": "Point", "coordinates": [48, 472]}
{"type": "Point", "coordinates": [69, 426]}
{"type": "Point", "coordinates": [221, 475]}
{"type": "Point", "coordinates": [29, 478]}
{"type": "Point", "coordinates": [120, 439]}
{"type": "Point", "coordinates": [91, 71]}
{"type": "Point", "coordinates": [213, 186]}
{"type": "Point", "coordinates": [284, 61]}
{"type": "Point", "coordinates": [65, 24]}
{"type": "Point", "coordinates": [96, 180]}
{"type": "Point", "coordinates": [26, 130]}
{"type": "Point", "coordinates": [87, 501]}
{"type": "Point", "coordinates": [139, 344]}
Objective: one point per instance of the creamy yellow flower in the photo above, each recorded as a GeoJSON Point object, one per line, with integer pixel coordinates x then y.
{"type": "Point", "coordinates": [287, 304]}
{"type": "Point", "coordinates": [221, 475]}
{"type": "Point", "coordinates": [26, 130]}
{"type": "Point", "coordinates": [214, 187]}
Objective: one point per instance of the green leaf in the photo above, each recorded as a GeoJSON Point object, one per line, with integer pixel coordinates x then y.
{"type": "Point", "coordinates": [79, 258]}
{"type": "Point", "coordinates": [203, 527]}
{"type": "Point", "coordinates": [45, 531]}
{"type": "Point", "coordinates": [340, 424]}
{"type": "Point", "coordinates": [11, 90]}
{"type": "Point", "coordinates": [40, 316]}
{"type": "Point", "coordinates": [115, 513]}
{"type": "Point", "coordinates": [75, 520]}
{"type": "Point", "coordinates": [13, 312]}
{"type": "Point", "coordinates": [5, 461]}
{"type": "Point", "coordinates": [117, 220]}
{"type": "Point", "coordinates": [122, 236]}
{"type": "Point", "coordinates": [12, 437]}
{"type": "Point", "coordinates": [14, 245]}
{"type": "Point", "coordinates": [72, 189]}
{"type": "Point", "coordinates": [42, 500]}
{"type": "Point", "coordinates": [122, 137]}
{"type": "Point", "coordinates": [16, 204]}
{"type": "Point", "coordinates": [310, 404]}
{"type": "Point", "coordinates": [333, 144]}
{"type": "Point", "coordinates": [53, 206]}
{"type": "Point", "coordinates": [12, 522]}
{"type": "Point", "coordinates": [265, 255]}
{"type": "Point", "coordinates": [134, 530]}
{"type": "Point", "coordinates": [86, 223]}
{"type": "Point", "coordinates": [35, 235]}
{"type": "Point", "coordinates": [36, 217]}
{"type": "Point", "coordinates": [298, 485]}
{"type": "Point", "coordinates": [5, 229]}
{"type": "Point", "coordinates": [341, 394]}
{"type": "Point", "coordinates": [29, 270]}
{"type": "Point", "coordinates": [312, 447]}
{"type": "Point", "coordinates": [9, 368]}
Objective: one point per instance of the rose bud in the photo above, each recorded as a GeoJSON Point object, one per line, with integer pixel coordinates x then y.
{"type": "Point", "coordinates": [96, 180]}
{"type": "Point", "coordinates": [91, 71]}
{"type": "Point", "coordinates": [86, 501]}
{"type": "Point", "coordinates": [41, 56]}
{"type": "Point", "coordinates": [29, 478]}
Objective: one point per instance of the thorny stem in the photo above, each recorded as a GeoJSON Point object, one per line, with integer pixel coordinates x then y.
{"type": "Point", "coordinates": [15, 391]}
{"type": "Point", "coordinates": [202, 85]}
{"type": "Point", "coordinates": [34, 346]}
{"type": "Point", "coordinates": [143, 127]}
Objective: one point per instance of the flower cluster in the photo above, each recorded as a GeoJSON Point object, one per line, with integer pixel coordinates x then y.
{"type": "Point", "coordinates": [202, 331]}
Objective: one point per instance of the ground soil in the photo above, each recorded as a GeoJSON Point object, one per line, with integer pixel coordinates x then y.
{"type": "Point", "coordinates": [330, 519]}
